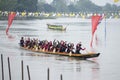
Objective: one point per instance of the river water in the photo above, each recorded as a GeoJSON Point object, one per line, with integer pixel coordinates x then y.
{"type": "Point", "coordinates": [105, 67]}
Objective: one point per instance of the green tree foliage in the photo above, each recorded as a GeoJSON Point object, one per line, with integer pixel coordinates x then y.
{"type": "Point", "coordinates": [72, 8]}
{"type": "Point", "coordinates": [8, 5]}
{"type": "Point", "coordinates": [26, 5]}
{"type": "Point", "coordinates": [109, 8]}
{"type": "Point", "coordinates": [55, 6]}
{"type": "Point", "coordinates": [60, 5]}
{"type": "Point", "coordinates": [18, 5]}
{"type": "Point", "coordinates": [87, 5]}
{"type": "Point", "coordinates": [44, 7]}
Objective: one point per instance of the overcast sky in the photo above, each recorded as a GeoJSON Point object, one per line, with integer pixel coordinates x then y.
{"type": "Point", "coordinates": [99, 2]}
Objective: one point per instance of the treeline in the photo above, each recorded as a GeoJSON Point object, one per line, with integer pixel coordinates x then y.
{"type": "Point", "coordinates": [18, 5]}
{"type": "Point", "coordinates": [56, 6]}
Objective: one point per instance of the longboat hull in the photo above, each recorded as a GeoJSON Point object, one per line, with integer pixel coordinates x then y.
{"type": "Point", "coordinates": [56, 27]}
{"type": "Point", "coordinates": [81, 56]}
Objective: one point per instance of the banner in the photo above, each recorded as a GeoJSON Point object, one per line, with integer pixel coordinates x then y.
{"type": "Point", "coordinates": [95, 21]}
{"type": "Point", "coordinates": [11, 16]}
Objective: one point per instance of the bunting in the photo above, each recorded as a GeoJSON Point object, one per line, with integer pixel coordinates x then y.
{"type": "Point", "coordinates": [95, 21]}
{"type": "Point", "coordinates": [11, 16]}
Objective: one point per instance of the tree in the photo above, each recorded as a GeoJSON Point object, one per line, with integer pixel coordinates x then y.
{"type": "Point", "coordinates": [87, 5]}
{"type": "Point", "coordinates": [72, 8]}
{"type": "Point", "coordinates": [8, 5]}
{"type": "Point", "coordinates": [60, 5]}
{"type": "Point", "coordinates": [107, 7]}
{"type": "Point", "coordinates": [27, 5]}
{"type": "Point", "coordinates": [48, 8]}
{"type": "Point", "coordinates": [55, 6]}
{"type": "Point", "coordinates": [44, 7]}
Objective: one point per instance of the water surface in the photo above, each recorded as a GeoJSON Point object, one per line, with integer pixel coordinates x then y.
{"type": "Point", "coordinates": [105, 67]}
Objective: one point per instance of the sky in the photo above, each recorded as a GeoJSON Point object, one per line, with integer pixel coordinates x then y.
{"type": "Point", "coordinates": [98, 2]}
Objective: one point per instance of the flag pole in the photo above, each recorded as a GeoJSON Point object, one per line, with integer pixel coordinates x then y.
{"type": "Point", "coordinates": [105, 31]}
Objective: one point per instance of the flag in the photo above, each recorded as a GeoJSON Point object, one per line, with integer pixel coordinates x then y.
{"type": "Point", "coordinates": [116, 1]}
{"type": "Point", "coordinates": [11, 16]}
{"type": "Point", "coordinates": [95, 21]}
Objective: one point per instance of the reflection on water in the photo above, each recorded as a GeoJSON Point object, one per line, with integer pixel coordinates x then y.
{"type": "Point", "coordinates": [105, 67]}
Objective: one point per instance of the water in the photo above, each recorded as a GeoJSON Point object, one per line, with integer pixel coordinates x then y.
{"type": "Point", "coordinates": [105, 67]}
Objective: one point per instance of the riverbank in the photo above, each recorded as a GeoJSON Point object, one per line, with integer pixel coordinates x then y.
{"type": "Point", "coordinates": [26, 17]}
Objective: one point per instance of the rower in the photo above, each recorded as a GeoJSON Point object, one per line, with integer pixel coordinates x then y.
{"type": "Point", "coordinates": [22, 42]}
{"type": "Point", "coordinates": [79, 48]}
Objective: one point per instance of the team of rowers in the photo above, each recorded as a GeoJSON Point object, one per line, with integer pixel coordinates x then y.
{"type": "Point", "coordinates": [57, 46]}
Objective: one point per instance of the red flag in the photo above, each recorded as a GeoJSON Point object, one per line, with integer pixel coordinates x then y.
{"type": "Point", "coordinates": [11, 16]}
{"type": "Point", "coordinates": [95, 21]}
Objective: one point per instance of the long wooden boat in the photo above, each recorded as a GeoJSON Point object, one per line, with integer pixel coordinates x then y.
{"type": "Point", "coordinates": [56, 27]}
{"type": "Point", "coordinates": [81, 56]}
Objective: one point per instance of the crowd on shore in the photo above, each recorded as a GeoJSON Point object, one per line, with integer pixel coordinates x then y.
{"type": "Point", "coordinates": [52, 46]}
{"type": "Point", "coordinates": [83, 15]}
